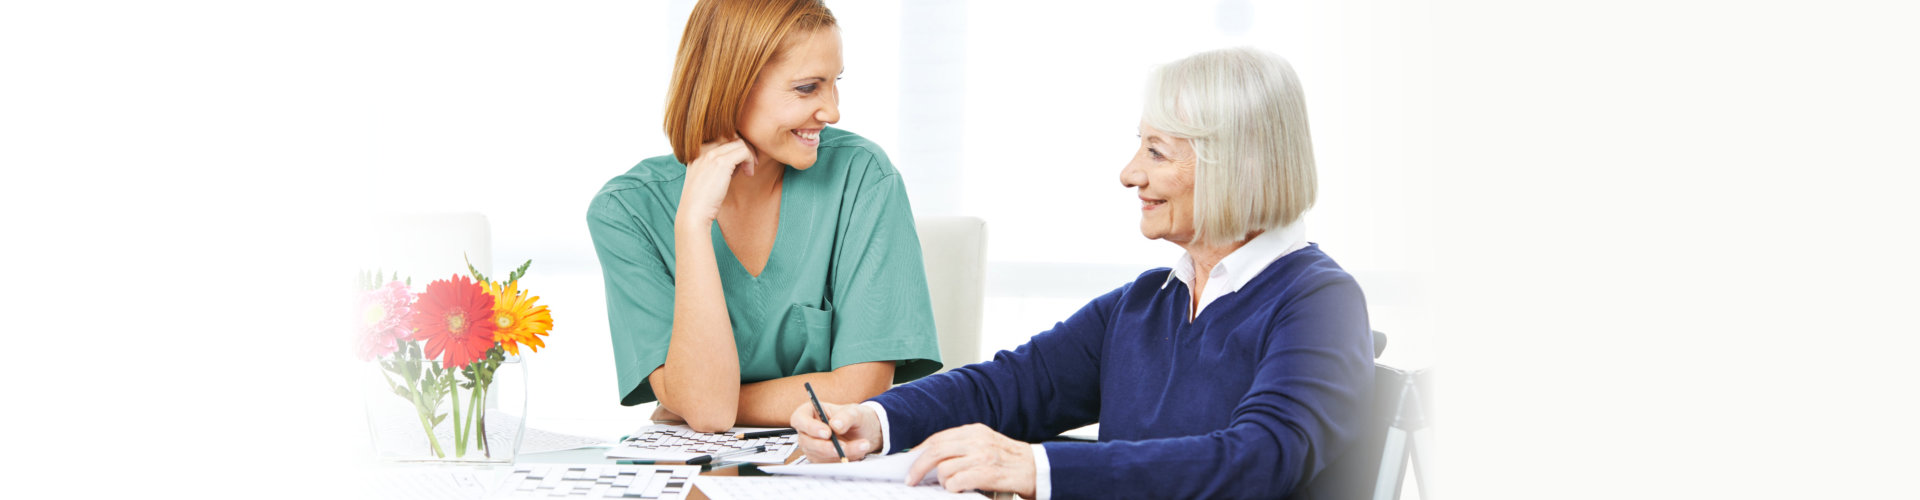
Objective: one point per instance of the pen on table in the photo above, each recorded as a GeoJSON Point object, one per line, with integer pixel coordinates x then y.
{"type": "Point", "coordinates": [729, 453]}
{"type": "Point", "coordinates": [833, 437]}
{"type": "Point", "coordinates": [764, 434]}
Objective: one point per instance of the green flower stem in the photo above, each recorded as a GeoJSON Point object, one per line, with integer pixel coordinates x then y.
{"type": "Point", "coordinates": [426, 417]}
{"type": "Point", "coordinates": [484, 448]}
{"type": "Point", "coordinates": [474, 415]}
{"type": "Point", "coordinates": [435, 441]}
{"type": "Point", "coordinates": [459, 437]}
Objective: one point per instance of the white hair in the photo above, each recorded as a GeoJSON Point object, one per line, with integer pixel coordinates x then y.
{"type": "Point", "coordinates": [1244, 113]}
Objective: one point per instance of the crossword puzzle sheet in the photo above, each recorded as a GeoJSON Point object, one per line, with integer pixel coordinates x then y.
{"type": "Point", "coordinates": [679, 443]}
{"type": "Point", "coordinates": [598, 481]}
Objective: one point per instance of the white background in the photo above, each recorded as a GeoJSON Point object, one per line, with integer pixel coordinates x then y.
{"type": "Point", "coordinates": [1655, 248]}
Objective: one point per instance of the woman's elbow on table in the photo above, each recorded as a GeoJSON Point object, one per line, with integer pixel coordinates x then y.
{"type": "Point", "coordinates": [702, 416]}
{"type": "Point", "coordinates": [710, 421]}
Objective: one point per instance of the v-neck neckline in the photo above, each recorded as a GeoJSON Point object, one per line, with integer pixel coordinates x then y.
{"type": "Point", "coordinates": [779, 236]}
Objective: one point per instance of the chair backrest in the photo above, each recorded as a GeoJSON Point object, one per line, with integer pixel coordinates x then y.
{"type": "Point", "coordinates": [1374, 467]}
{"type": "Point", "coordinates": [954, 249]}
{"type": "Point", "coordinates": [424, 247]}
{"type": "Point", "coordinates": [1356, 473]}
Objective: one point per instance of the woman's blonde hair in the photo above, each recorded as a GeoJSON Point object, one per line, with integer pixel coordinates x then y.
{"type": "Point", "coordinates": [725, 45]}
{"type": "Point", "coordinates": [1246, 117]}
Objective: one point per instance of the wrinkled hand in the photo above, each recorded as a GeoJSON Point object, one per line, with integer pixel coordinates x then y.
{"type": "Point", "coordinates": [975, 457]}
{"type": "Point", "coordinates": [707, 180]}
{"type": "Point", "coordinates": [858, 427]}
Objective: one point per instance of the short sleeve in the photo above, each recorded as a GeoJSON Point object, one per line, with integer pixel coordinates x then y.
{"type": "Point", "coordinates": [882, 310]}
{"type": "Point", "coordinates": [639, 287]}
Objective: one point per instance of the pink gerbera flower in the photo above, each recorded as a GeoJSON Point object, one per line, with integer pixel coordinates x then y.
{"type": "Point", "coordinates": [386, 317]}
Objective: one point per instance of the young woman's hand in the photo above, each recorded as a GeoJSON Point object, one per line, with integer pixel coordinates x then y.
{"type": "Point", "coordinates": [707, 180]}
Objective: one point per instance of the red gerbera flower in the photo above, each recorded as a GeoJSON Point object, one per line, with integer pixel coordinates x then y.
{"type": "Point", "coordinates": [455, 317]}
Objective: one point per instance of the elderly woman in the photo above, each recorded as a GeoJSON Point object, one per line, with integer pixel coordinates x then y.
{"type": "Point", "coordinates": [769, 250]}
{"type": "Point", "coordinates": [1239, 372]}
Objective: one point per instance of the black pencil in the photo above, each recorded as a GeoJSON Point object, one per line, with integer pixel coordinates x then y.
{"type": "Point", "coordinates": [823, 419]}
{"type": "Point", "coordinates": [703, 459]}
{"type": "Point", "coordinates": [764, 434]}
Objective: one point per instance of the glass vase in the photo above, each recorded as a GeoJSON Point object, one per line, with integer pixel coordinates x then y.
{"type": "Point", "coordinates": [419, 411]}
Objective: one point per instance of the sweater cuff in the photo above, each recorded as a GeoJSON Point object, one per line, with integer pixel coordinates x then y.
{"type": "Point", "coordinates": [1042, 474]}
{"type": "Point", "coordinates": [886, 435]}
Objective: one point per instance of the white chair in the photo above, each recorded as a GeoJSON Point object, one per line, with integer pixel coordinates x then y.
{"type": "Point", "coordinates": [424, 247]}
{"type": "Point", "coordinates": [954, 250]}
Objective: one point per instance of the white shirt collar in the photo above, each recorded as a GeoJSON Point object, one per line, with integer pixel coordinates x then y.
{"type": "Point", "coordinates": [1240, 266]}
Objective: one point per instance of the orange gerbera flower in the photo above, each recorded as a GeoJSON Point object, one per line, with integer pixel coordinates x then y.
{"type": "Point", "coordinates": [455, 318]}
{"type": "Point", "coordinates": [518, 321]}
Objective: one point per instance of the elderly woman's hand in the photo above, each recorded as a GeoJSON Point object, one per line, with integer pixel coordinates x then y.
{"type": "Point", "coordinates": [857, 426]}
{"type": "Point", "coordinates": [975, 457]}
{"type": "Point", "coordinates": [707, 180]}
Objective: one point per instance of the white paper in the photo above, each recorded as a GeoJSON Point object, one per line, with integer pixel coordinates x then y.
{"type": "Point", "coordinates": [816, 488]}
{"type": "Point", "coordinates": [535, 440]}
{"type": "Point", "coordinates": [426, 483]}
{"type": "Point", "coordinates": [874, 468]}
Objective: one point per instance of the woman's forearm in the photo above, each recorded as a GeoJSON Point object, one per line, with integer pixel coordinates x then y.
{"type": "Point", "coordinates": [770, 403]}
{"type": "Point", "coordinates": [701, 378]}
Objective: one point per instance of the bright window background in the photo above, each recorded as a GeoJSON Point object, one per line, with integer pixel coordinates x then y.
{"type": "Point", "coordinates": [1020, 113]}
{"type": "Point", "coordinates": [1670, 247]}
{"type": "Point", "coordinates": [178, 171]}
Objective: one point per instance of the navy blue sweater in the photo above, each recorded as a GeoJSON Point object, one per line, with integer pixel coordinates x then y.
{"type": "Point", "coordinates": [1251, 400]}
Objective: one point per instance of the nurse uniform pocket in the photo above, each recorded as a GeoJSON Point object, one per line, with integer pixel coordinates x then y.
{"type": "Point", "coordinates": [806, 340]}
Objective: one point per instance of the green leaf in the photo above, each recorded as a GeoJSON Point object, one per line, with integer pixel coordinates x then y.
{"type": "Point", "coordinates": [438, 418]}
{"type": "Point", "coordinates": [398, 390]}
{"type": "Point", "coordinates": [476, 271]}
{"type": "Point", "coordinates": [517, 273]}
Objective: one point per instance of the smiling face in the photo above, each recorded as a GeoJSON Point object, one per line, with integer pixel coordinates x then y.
{"type": "Point", "coordinates": [1162, 171]}
{"type": "Point", "coordinates": [793, 99]}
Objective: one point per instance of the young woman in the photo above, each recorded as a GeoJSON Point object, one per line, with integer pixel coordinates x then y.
{"type": "Point", "coordinates": [769, 250]}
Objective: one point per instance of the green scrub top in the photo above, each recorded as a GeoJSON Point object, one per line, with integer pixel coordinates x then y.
{"type": "Point", "coordinates": [843, 285]}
